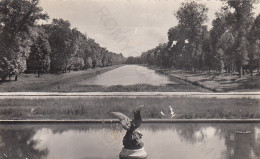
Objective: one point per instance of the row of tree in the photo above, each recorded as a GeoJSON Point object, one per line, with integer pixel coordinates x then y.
{"type": "Point", "coordinates": [232, 44]}
{"type": "Point", "coordinates": [27, 46]}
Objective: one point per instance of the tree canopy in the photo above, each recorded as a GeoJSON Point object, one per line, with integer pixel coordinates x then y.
{"type": "Point", "coordinates": [27, 46]}
{"type": "Point", "coordinates": [231, 45]}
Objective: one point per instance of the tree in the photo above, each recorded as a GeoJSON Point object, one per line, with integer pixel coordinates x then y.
{"type": "Point", "coordinates": [225, 47]}
{"type": "Point", "coordinates": [254, 41]}
{"type": "Point", "coordinates": [177, 47]}
{"type": "Point", "coordinates": [39, 58]}
{"type": "Point", "coordinates": [20, 143]}
{"type": "Point", "coordinates": [243, 19]}
{"type": "Point", "coordinates": [17, 17]}
{"type": "Point", "coordinates": [62, 44]}
{"type": "Point", "coordinates": [191, 17]}
{"type": "Point", "coordinates": [232, 44]}
{"type": "Point", "coordinates": [89, 63]}
{"type": "Point", "coordinates": [242, 54]}
{"type": "Point", "coordinates": [133, 60]}
{"type": "Point", "coordinates": [82, 48]}
{"type": "Point", "coordinates": [75, 63]}
{"type": "Point", "coordinates": [209, 56]}
{"type": "Point", "coordinates": [222, 39]}
{"type": "Point", "coordinates": [94, 63]}
{"type": "Point", "coordinates": [52, 47]}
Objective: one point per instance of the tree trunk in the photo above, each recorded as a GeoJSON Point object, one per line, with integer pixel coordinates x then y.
{"type": "Point", "coordinates": [16, 77]}
{"type": "Point", "coordinates": [38, 72]}
{"type": "Point", "coordinates": [251, 72]}
{"type": "Point", "coordinates": [221, 66]}
{"type": "Point", "coordinates": [66, 64]}
{"type": "Point", "coordinates": [258, 65]}
{"type": "Point", "coordinates": [240, 71]}
{"type": "Point", "coordinates": [9, 75]}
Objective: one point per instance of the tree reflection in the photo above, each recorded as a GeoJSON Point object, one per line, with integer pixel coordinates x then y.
{"type": "Point", "coordinates": [240, 140]}
{"type": "Point", "coordinates": [18, 143]}
{"type": "Point", "coordinates": [191, 133]}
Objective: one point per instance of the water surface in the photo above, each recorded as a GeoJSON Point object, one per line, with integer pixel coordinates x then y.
{"type": "Point", "coordinates": [104, 141]}
{"type": "Point", "coordinates": [129, 75]}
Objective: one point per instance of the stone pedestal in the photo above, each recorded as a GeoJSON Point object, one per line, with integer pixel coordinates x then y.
{"type": "Point", "coordinates": [133, 154]}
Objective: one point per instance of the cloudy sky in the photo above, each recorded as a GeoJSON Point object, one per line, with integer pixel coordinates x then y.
{"type": "Point", "coordinates": [124, 26]}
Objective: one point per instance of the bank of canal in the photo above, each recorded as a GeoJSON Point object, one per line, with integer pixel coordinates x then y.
{"type": "Point", "coordinates": [135, 78]}
{"type": "Point", "coordinates": [121, 78]}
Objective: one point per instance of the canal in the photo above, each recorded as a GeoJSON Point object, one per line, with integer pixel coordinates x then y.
{"type": "Point", "coordinates": [104, 141]}
{"type": "Point", "coordinates": [129, 75]}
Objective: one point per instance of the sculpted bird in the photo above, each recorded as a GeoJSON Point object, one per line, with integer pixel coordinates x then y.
{"type": "Point", "coordinates": [132, 138]}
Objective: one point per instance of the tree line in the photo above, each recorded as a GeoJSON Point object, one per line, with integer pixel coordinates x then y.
{"type": "Point", "coordinates": [25, 45]}
{"type": "Point", "coordinates": [231, 45]}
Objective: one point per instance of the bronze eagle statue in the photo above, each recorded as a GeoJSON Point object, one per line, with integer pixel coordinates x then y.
{"type": "Point", "coordinates": [132, 138]}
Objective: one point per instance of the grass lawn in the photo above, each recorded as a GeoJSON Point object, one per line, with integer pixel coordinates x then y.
{"type": "Point", "coordinates": [51, 82]}
{"type": "Point", "coordinates": [216, 82]}
{"type": "Point", "coordinates": [135, 88]}
{"type": "Point", "coordinates": [100, 108]}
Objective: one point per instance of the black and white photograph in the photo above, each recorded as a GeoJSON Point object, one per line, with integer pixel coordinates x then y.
{"type": "Point", "coordinates": [128, 79]}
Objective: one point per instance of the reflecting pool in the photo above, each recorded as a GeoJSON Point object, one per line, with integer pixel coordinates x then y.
{"type": "Point", "coordinates": [129, 75]}
{"type": "Point", "coordinates": [104, 141]}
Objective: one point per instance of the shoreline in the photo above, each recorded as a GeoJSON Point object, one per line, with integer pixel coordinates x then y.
{"type": "Point", "coordinates": [212, 81]}
{"type": "Point", "coordinates": [52, 82]}
{"type": "Point", "coordinates": [105, 121]}
{"type": "Point", "coordinates": [45, 95]}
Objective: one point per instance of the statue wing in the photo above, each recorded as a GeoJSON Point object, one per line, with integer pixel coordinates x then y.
{"type": "Point", "coordinates": [137, 117]}
{"type": "Point", "coordinates": [124, 120]}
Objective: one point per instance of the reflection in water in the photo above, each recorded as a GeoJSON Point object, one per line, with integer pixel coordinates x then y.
{"type": "Point", "coordinates": [104, 141]}
{"type": "Point", "coordinates": [242, 143]}
{"type": "Point", "coordinates": [129, 75]}
{"type": "Point", "coordinates": [18, 143]}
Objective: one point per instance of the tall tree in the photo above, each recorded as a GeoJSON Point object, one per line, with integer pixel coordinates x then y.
{"type": "Point", "coordinates": [191, 17]}
{"type": "Point", "coordinates": [221, 31]}
{"type": "Point", "coordinates": [209, 56]}
{"type": "Point", "coordinates": [39, 58]}
{"type": "Point", "coordinates": [225, 47]}
{"type": "Point", "coordinates": [62, 44]}
{"type": "Point", "coordinates": [254, 41]}
{"type": "Point", "coordinates": [81, 51]}
{"type": "Point", "coordinates": [243, 20]}
{"type": "Point", "coordinates": [177, 47]}
{"type": "Point", "coordinates": [17, 17]}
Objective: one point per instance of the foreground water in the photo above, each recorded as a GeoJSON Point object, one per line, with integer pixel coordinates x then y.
{"type": "Point", "coordinates": [104, 141]}
{"type": "Point", "coordinates": [129, 75]}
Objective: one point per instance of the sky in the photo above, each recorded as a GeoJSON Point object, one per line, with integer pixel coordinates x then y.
{"type": "Point", "coordinates": [124, 26]}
